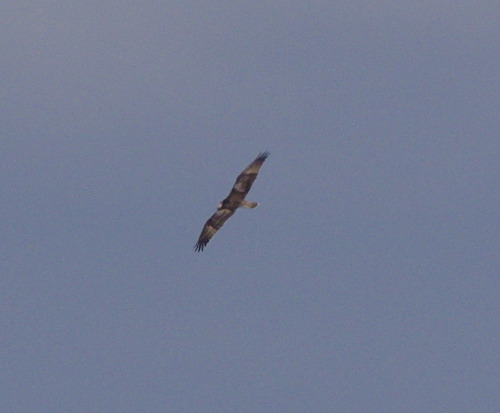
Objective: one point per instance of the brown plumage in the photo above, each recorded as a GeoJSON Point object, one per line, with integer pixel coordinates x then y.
{"type": "Point", "coordinates": [234, 200]}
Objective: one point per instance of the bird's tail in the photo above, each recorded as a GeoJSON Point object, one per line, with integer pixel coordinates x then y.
{"type": "Point", "coordinates": [248, 204]}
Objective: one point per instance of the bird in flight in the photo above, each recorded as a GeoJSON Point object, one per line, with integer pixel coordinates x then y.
{"type": "Point", "coordinates": [234, 200]}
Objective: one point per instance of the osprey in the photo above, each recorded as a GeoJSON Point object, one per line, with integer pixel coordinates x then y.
{"type": "Point", "coordinates": [234, 200]}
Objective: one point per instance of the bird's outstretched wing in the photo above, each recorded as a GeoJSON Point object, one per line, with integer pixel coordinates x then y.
{"type": "Point", "coordinates": [214, 223]}
{"type": "Point", "coordinates": [245, 180]}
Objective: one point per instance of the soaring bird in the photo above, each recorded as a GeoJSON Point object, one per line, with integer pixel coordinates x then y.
{"type": "Point", "coordinates": [234, 200]}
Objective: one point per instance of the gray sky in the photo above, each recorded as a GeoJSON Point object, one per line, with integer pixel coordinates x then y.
{"type": "Point", "coordinates": [364, 282]}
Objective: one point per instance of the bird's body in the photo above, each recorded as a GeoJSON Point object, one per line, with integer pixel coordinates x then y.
{"type": "Point", "coordinates": [234, 200]}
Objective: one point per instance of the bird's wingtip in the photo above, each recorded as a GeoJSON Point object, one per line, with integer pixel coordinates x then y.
{"type": "Point", "coordinates": [200, 246]}
{"type": "Point", "coordinates": [263, 155]}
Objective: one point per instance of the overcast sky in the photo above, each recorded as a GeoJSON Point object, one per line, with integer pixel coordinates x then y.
{"type": "Point", "coordinates": [365, 281]}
